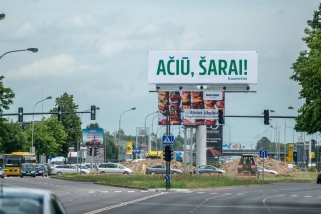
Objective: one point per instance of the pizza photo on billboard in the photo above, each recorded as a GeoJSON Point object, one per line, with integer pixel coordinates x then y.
{"type": "Point", "coordinates": [163, 97]}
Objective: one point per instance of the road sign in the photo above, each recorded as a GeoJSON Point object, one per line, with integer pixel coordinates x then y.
{"type": "Point", "coordinates": [168, 140]}
{"type": "Point", "coordinates": [263, 154]}
{"type": "Point", "coordinates": [136, 150]}
{"type": "Point", "coordinates": [305, 158]}
{"type": "Point", "coordinates": [167, 177]}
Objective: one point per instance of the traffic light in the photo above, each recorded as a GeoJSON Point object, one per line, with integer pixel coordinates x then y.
{"type": "Point", "coordinates": [84, 160]}
{"type": "Point", "coordinates": [266, 117]}
{"type": "Point", "coordinates": [220, 117]}
{"type": "Point", "coordinates": [168, 153]}
{"type": "Point", "coordinates": [90, 151]}
{"type": "Point", "coordinates": [96, 152]}
{"type": "Point", "coordinates": [20, 116]}
{"type": "Point", "coordinates": [93, 113]}
{"type": "Point", "coordinates": [59, 114]}
{"type": "Point", "coordinates": [76, 146]}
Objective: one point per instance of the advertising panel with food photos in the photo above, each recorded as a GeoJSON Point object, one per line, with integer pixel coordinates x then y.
{"type": "Point", "coordinates": [190, 107]}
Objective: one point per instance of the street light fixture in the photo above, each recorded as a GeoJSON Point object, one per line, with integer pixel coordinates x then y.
{"type": "Point", "coordinates": [2, 16]}
{"type": "Point", "coordinates": [33, 125]}
{"type": "Point", "coordinates": [134, 108]}
{"type": "Point", "coordinates": [145, 129]}
{"type": "Point", "coordinates": [34, 50]}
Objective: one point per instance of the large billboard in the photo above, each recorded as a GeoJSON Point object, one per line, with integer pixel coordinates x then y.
{"type": "Point", "coordinates": [93, 137]}
{"type": "Point", "coordinates": [190, 107]}
{"type": "Point", "coordinates": [214, 141]}
{"type": "Point", "coordinates": [202, 67]}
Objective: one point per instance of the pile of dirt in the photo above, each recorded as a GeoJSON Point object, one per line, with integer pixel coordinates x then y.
{"type": "Point", "coordinates": [269, 163]}
{"type": "Point", "coordinates": [140, 166]}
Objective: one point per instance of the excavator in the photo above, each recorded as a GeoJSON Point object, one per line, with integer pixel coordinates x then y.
{"type": "Point", "coordinates": [247, 167]}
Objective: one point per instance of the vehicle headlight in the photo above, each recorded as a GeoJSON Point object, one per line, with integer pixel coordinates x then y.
{"type": "Point", "coordinates": [32, 171]}
{"type": "Point", "coordinates": [23, 171]}
{"type": "Point", "coordinates": [40, 171]}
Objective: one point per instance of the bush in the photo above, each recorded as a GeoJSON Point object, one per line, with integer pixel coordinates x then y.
{"type": "Point", "coordinates": [312, 169]}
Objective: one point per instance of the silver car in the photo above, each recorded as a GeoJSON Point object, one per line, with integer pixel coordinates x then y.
{"type": "Point", "coordinates": [25, 200]}
{"type": "Point", "coordinates": [208, 169]}
{"type": "Point", "coordinates": [161, 169]}
{"type": "Point", "coordinates": [1, 172]}
{"type": "Point", "coordinates": [113, 168]}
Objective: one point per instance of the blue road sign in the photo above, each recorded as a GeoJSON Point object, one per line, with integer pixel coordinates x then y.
{"type": "Point", "coordinates": [167, 177]}
{"type": "Point", "coordinates": [168, 140]}
{"type": "Point", "coordinates": [263, 154]}
{"type": "Point", "coordinates": [136, 150]}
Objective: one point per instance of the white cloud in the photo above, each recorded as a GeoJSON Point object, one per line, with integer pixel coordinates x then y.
{"type": "Point", "coordinates": [59, 65]}
{"type": "Point", "coordinates": [111, 48]}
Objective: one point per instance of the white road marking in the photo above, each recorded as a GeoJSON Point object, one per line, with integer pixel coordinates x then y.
{"type": "Point", "coordinates": [131, 191]}
{"type": "Point", "coordinates": [117, 191]}
{"type": "Point", "coordinates": [307, 196]}
{"type": "Point", "coordinates": [264, 200]}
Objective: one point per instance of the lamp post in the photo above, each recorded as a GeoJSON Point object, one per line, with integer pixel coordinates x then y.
{"type": "Point", "coordinates": [284, 132]}
{"type": "Point", "coordinates": [34, 50]}
{"type": "Point", "coordinates": [48, 98]}
{"type": "Point", "coordinates": [145, 129]}
{"type": "Point", "coordinates": [2, 16]}
{"type": "Point", "coordinates": [277, 145]}
{"type": "Point", "coordinates": [119, 126]}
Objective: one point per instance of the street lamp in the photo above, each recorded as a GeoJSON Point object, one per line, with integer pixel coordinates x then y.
{"type": "Point", "coordinates": [119, 126]}
{"type": "Point", "coordinates": [34, 50]}
{"type": "Point", "coordinates": [145, 129]}
{"type": "Point", "coordinates": [2, 16]}
{"type": "Point", "coordinates": [33, 125]}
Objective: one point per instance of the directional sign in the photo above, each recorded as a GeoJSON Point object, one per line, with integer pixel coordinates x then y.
{"type": "Point", "coordinates": [136, 150]}
{"type": "Point", "coordinates": [305, 158]}
{"type": "Point", "coordinates": [263, 154]}
{"type": "Point", "coordinates": [168, 140]}
{"type": "Point", "coordinates": [167, 177]}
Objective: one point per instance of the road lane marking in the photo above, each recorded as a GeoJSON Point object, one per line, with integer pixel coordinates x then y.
{"type": "Point", "coordinates": [124, 204]}
{"type": "Point", "coordinates": [264, 200]}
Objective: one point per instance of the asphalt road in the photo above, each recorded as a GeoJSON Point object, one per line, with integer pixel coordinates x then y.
{"type": "Point", "coordinates": [88, 198]}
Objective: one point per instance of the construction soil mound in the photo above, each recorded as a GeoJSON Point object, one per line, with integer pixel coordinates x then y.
{"type": "Point", "coordinates": [229, 167]}
{"type": "Point", "coordinates": [269, 163]}
{"type": "Point", "coordinates": [140, 166]}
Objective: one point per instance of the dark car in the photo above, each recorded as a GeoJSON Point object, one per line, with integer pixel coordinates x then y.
{"type": "Point", "coordinates": [319, 178]}
{"type": "Point", "coordinates": [161, 169]}
{"type": "Point", "coordinates": [208, 169]}
{"type": "Point", "coordinates": [41, 170]}
{"type": "Point", "coordinates": [27, 169]}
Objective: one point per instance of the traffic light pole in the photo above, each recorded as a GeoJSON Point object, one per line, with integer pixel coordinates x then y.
{"type": "Point", "coordinates": [168, 162]}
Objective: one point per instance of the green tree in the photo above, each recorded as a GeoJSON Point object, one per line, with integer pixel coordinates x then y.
{"type": "Point", "coordinates": [12, 138]}
{"type": "Point", "coordinates": [6, 99]}
{"type": "Point", "coordinates": [307, 72]}
{"type": "Point", "coordinates": [71, 122]}
{"type": "Point", "coordinates": [93, 126]}
{"type": "Point", "coordinates": [111, 149]}
{"type": "Point", "coordinates": [48, 136]}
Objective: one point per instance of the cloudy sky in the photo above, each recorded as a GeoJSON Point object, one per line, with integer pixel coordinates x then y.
{"type": "Point", "coordinates": [97, 51]}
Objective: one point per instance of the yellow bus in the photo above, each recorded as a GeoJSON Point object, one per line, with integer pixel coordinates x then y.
{"type": "Point", "coordinates": [13, 161]}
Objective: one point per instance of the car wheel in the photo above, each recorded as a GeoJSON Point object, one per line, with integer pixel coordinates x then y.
{"type": "Point", "coordinates": [125, 173]}
{"type": "Point", "coordinates": [59, 173]}
{"type": "Point", "coordinates": [102, 172]}
{"type": "Point", "coordinates": [174, 173]}
{"type": "Point", "coordinates": [42, 175]}
{"type": "Point", "coordinates": [83, 172]}
{"type": "Point", "coordinates": [152, 173]}
{"type": "Point", "coordinates": [34, 176]}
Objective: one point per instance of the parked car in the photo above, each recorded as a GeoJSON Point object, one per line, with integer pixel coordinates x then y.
{"type": "Point", "coordinates": [27, 169]}
{"type": "Point", "coordinates": [27, 200]}
{"type": "Point", "coordinates": [84, 169]}
{"type": "Point", "coordinates": [267, 171]}
{"type": "Point", "coordinates": [67, 169]}
{"type": "Point", "coordinates": [1, 172]}
{"type": "Point", "coordinates": [91, 166]}
{"type": "Point", "coordinates": [319, 178]}
{"type": "Point", "coordinates": [208, 169]}
{"type": "Point", "coordinates": [114, 168]}
{"type": "Point", "coordinates": [161, 169]}
{"type": "Point", "coordinates": [41, 169]}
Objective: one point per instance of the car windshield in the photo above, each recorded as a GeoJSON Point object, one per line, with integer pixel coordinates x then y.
{"type": "Point", "coordinates": [27, 167]}
{"type": "Point", "coordinates": [21, 203]}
